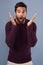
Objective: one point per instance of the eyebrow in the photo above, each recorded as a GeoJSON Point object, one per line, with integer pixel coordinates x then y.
{"type": "Point", "coordinates": [19, 10]}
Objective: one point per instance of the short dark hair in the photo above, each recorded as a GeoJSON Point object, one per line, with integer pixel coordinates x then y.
{"type": "Point", "coordinates": [20, 4]}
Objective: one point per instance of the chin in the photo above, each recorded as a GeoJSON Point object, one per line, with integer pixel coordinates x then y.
{"type": "Point", "coordinates": [21, 21]}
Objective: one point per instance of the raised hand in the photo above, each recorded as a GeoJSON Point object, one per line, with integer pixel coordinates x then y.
{"type": "Point", "coordinates": [32, 19]}
{"type": "Point", "coordinates": [11, 19]}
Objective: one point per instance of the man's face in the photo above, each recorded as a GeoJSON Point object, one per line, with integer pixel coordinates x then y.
{"type": "Point", "coordinates": [20, 14]}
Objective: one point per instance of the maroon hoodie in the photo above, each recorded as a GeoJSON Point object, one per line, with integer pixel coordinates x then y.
{"type": "Point", "coordinates": [20, 39]}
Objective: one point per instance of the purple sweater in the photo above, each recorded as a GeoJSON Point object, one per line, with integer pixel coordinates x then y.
{"type": "Point", "coordinates": [20, 39]}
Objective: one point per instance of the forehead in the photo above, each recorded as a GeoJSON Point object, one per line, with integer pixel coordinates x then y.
{"type": "Point", "coordinates": [21, 8]}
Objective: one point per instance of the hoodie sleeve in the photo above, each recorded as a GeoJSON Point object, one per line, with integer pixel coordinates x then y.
{"type": "Point", "coordinates": [31, 34]}
{"type": "Point", "coordinates": [10, 34]}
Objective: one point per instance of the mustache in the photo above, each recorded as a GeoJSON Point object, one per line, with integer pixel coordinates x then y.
{"type": "Point", "coordinates": [21, 18]}
{"type": "Point", "coordinates": [18, 19]}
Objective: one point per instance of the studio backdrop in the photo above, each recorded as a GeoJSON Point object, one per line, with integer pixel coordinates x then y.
{"type": "Point", "coordinates": [33, 6]}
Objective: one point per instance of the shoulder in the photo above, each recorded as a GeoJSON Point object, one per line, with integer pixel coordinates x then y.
{"type": "Point", "coordinates": [8, 24]}
{"type": "Point", "coordinates": [27, 20]}
{"type": "Point", "coordinates": [34, 24]}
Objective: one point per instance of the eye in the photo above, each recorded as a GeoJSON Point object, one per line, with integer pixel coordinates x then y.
{"type": "Point", "coordinates": [18, 11]}
{"type": "Point", "coordinates": [23, 11]}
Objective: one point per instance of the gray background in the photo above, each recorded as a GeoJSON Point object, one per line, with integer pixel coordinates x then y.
{"type": "Point", "coordinates": [34, 6]}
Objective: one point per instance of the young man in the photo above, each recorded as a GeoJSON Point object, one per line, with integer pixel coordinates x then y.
{"type": "Point", "coordinates": [20, 36]}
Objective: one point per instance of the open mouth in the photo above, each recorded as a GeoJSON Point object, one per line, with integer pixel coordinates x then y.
{"type": "Point", "coordinates": [20, 18]}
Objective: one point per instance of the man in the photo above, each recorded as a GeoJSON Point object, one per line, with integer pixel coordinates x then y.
{"type": "Point", "coordinates": [20, 36]}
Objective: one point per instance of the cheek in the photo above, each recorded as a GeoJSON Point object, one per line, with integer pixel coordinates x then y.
{"type": "Point", "coordinates": [17, 15]}
{"type": "Point", "coordinates": [24, 15]}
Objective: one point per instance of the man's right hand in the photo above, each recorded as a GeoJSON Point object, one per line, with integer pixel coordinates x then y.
{"type": "Point", "coordinates": [12, 19]}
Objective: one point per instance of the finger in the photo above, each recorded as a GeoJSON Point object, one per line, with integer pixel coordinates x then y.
{"type": "Point", "coordinates": [9, 14]}
{"type": "Point", "coordinates": [33, 17]}
{"type": "Point", "coordinates": [31, 21]}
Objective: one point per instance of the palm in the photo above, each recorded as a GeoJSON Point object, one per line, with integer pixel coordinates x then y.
{"type": "Point", "coordinates": [11, 19]}
{"type": "Point", "coordinates": [31, 21]}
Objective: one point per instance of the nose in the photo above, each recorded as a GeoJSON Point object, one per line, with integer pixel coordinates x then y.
{"type": "Point", "coordinates": [21, 14]}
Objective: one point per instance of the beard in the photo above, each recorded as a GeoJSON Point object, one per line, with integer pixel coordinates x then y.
{"type": "Point", "coordinates": [20, 20]}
